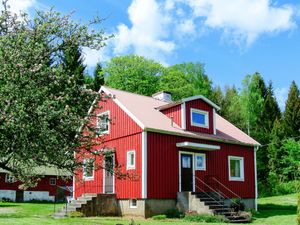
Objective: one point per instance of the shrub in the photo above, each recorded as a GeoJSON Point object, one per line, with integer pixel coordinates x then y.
{"type": "Point", "coordinates": [173, 213]}
{"type": "Point", "coordinates": [290, 187]}
{"type": "Point", "coordinates": [159, 217]}
{"type": "Point", "coordinates": [75, 214]}
{"type": "Point", "coordinates": [207, 218]}
{"type": "Point", "coordinates": [237, 205]}
{"type": "Point", "coordinates": [298, 210]}
{"type": "Point", "coordinates": [6, 200]}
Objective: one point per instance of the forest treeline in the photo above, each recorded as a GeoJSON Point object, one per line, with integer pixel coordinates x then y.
{"type": "Point", "coordinates": [252, 107]}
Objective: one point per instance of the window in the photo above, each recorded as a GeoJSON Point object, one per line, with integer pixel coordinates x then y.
{"type": "Point", "coordinates": [199, 118]}
{"type": "Point", "coordinates": [200, 162]}
{"type": "Point", "coordinates": [9, 178]}
{"type": "Point", "coordinates": [132, 203]}
{"type": "Point", "coordinates": [88, 169]}
{"type": "Point", "coordinates": [52, 181]}
{"type": "Point", "coordinates": [236, 168]}
{"type": "Point", "coordinates": [130, 160]}
{"type": "Point", "coordinates": [103, 122]}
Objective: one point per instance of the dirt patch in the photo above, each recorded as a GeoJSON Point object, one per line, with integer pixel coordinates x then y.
{"type": "Point", "coordinates": [4, 210]}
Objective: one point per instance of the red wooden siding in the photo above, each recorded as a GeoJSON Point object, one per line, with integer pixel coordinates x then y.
{"type": "Point", "coordinates": [43, 184]}
{"type": "Point", "coordinates": [199, 104]}
{"type": "Point", "coordinates": [163, 166]}
{"type": "Point", "coordinates": [175, 112]}
{"type": "Point", "coordinates": [121, 124]}
{"type": "Point", "coordinates": [124, 188]}
{"type": "Point", "coordinates": [124, 134]}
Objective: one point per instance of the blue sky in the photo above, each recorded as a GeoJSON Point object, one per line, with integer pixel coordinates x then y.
{"type": "Point", "coordinates": [232, 38]}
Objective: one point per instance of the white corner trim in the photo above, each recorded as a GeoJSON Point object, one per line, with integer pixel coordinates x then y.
{"type": "Point", "coordinates": [203, 98]}
{"type": "Point", "coordinates": [242, 171]}
{"type": "Point", "coordinates": [183, 116]}
{"type": "Point", "coordinates": [214, 121]}
{"type": "Point", "coordinates": [130, 114]}
{"type": "Point", "coordinates": [206, 119]}
{"type": "Point", "coordinates": [144, 164]}
{"type": "Point", "coordinates": [255, 178]}
{"type": "Point", "coordinates": [193, 145]}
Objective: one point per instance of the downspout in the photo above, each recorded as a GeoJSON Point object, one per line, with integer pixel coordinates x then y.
{"type": "Point", "coordinates": [255, 177]}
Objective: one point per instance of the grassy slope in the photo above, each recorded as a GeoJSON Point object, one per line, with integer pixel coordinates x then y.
{"type": "Point", "coordinates": [273, 210]}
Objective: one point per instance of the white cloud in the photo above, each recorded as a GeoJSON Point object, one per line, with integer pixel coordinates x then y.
{"type": "Point", "coordinates": [243, 20]}
{"type": "Point", "coordinates": [281, 95]}
{"type": "Point", "coordinates": [20, 5]}
{"type": "Point", "coordinates": [92, 56]}
{"type": "Point", "coordinates": [148, 33]}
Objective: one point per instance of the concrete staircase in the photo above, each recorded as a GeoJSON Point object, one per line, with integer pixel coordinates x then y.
{"type": "Point", "coordinates": [216, 204]}
{"type": "Point", "coordinates": [75, 205]}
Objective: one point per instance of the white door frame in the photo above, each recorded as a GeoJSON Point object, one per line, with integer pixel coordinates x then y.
{"type": "Point", "coordinates": [193, 168]}
{"type": "Point", "coordinates": [103, 171]}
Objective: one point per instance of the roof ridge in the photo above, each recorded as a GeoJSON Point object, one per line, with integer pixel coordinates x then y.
{"type": "Point", "coordinates": [133, 93]}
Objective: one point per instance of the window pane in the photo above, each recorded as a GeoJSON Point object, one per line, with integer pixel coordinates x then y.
{"type": "Point", "coordinates": [198, 118]}
{"type": "Point", "coordinates": [186, 162]}
{"type": "Point", "coordinates": [235, 170]}
{"type": "Point", "coordinates": [199, 161]}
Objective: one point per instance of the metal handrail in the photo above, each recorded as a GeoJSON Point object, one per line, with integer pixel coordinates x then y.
{"type": "Point", "coordinates": [227, 188]}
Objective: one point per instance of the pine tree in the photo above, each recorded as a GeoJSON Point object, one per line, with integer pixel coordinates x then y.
{"type": "Point", "coordinates": [72, 61]}
{"type": "Point", "coordinates": [98, 77]}
{"type": "Point", "coordinates": [291, 116]}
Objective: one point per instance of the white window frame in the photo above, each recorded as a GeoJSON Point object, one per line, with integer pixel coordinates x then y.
{"type": "Point", "coordinates": [128, 166]}
{"type": "Point", "coordinates": [242, 175]}
{"type": "Point", "coordinates": [9, 179]}
{"type": "Point", "coordinates": [51, 181]}
{"type": "Point", "coordinates": [86, 178]}
{"type": "Point", "coordinates": [204, 161]}
{"type": "Point", "coordinates": [108, 125]}
{"type": "Point", "coordinates": [131, 203]}
{"type": "Point", "coordinates": [206, 115]}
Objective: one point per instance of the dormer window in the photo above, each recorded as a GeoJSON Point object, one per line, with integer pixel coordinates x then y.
{"type": "Point", "coordinates": [199, 118]}
{"type": "Point", "coordinates": [103, 123]}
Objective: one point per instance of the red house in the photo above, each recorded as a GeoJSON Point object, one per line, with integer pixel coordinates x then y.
{"type": "Point", "coordinates": [180, 151]}
{"type": "Point", "coordinates": [51, 187]}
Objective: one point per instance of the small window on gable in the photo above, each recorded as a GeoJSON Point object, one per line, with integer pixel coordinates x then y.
{"type": "Point", "coordinates": [200, 162]}
{"type": "Point", "coordinates": [130, 160]}
{"type": "Point", "coordinates": [103, 122]}
{"type": "Point", "coordinates": [88, 169]}
{"type": "Point", "coordinates": [9, 178]}
{"type": "Point", "coordinates": [52, 181]}
{"type": "Point", "coordinates": [199, 118]}
{"type": "Point", "coordinates": [236, 168]}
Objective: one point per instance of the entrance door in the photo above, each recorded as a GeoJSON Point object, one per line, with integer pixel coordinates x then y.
{"type": "Point", "coordinates": [186, 165]}
{"type": "Point", "coordinates": [109, 175]}
{"type": "Point", "coordinates": [19, 196]}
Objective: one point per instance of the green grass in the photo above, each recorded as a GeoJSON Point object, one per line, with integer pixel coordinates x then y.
{"type": "Point", "coordinates": [272, 211]}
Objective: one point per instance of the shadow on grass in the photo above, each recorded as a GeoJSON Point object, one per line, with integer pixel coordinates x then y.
{"type": "Point", "coordinates": [10, 205]}
{"type": "Point", "coordinates": [269, 210]}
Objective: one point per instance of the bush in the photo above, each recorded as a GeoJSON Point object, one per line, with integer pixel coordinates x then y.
{"type": "Point", "coordinates": [237, 205]}
{"type": "Point", "coordinates": [298, 210]}
{"type": "Point", "coordinates": [6, 200]}
{"type": "Point", "coordinates": [207, 218]}
{"type": "Point", "coordinates": [173, 213]}
{"type": "Point", "coordinates": [159, 217]}
{"type": "Point", "coordinates": [290, 187]}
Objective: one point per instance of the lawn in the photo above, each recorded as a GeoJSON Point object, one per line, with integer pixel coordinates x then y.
{"type": "Point", "coordinates": [272, 211]}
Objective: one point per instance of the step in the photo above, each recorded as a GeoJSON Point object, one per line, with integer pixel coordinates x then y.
{"type": "Point", "coordinates": [221, 211]}
{"type": "Point", "coordinates": [89, 195]}
{"type": "Point", "coordinates": [75, 204]}
{"type": "Point", "coordinates": [217, 207]}
{"type": "Point", "coordinates": [208, 203]}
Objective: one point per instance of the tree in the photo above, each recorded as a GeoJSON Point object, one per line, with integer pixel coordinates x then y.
{"type": "Point", "coordinates": [251, 101]}
{"type": "Point", "coordinates": [72, 61]}
{"type": "Point", "coordinates": [217, 97]}
{"type": "Point", "coordinates": [134, 74]}
{"type": "Point", "coordinates": [39, 114]}
{"type": "Point", "coordinates": [291, 116]}
{"type": "Point", "coordinates": [177, 83]}
{"type": "Point", "coordinates": [98, 77]}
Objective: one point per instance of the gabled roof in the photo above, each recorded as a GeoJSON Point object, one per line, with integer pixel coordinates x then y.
{"type": "Point", "coordinates": [144, 111]}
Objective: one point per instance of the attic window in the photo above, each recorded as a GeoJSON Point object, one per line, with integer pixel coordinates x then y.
{"type": "Point", "coordinates": [103, 122]}
{"type": "Point", "coordinates": [9, 178]}
{"type": "Point", "coordinates": [199, 118]}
